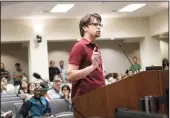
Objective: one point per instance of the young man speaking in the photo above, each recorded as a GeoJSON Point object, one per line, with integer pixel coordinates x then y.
{"type": "Point", "coordinates": [85, 64]}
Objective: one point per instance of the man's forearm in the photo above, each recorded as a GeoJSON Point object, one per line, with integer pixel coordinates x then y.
{"type": "Point", "coordinates": [74, 75]}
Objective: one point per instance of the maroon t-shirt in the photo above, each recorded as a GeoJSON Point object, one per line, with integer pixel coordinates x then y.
{"type": "Point", "coordinates": [80, 55]}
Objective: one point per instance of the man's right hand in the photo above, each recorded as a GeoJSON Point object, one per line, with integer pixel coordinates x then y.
{"type": "Point", "coordinates": [95, 58]}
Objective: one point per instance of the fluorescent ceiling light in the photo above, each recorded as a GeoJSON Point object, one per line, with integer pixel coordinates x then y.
{"type": "Point", "coordinates": [62, 7]}
{"type": "Point", "coordinates": [131, 7]}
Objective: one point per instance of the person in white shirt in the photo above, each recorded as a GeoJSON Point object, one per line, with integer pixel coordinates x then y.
{"type": "Point", "coordinates": [54, 92]}
{"type": "Point", "coordinates": [62, 70]}
{"type": "Point", "coordinates": [9, 88]}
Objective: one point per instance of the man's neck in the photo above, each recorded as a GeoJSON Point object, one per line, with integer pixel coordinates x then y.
{"type": "Point", "coordinates": [90, 38]}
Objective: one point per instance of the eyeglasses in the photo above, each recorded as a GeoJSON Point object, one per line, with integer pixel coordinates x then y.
{"type": "Point", "coordinates": [96, 24]}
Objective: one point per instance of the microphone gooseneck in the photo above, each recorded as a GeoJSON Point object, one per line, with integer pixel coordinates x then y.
{"type": "Point", "coordinates": [121, 46]}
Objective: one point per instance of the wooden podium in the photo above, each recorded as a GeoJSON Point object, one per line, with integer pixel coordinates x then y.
{"type": "Point", "coordinates": [125, 93]}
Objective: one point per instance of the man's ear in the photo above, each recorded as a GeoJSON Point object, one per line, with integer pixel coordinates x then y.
{"type": "Point", "coordinates": [85, 28]}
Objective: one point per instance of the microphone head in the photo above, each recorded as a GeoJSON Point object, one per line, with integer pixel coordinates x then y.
{"type": "Point", "coordinates": [119, 44]}
{"type": "Point", "coordinates": [37, 76]}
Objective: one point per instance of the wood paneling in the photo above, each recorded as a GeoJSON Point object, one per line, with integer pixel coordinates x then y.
{"type": "Point", "coordinates": [125, 93]}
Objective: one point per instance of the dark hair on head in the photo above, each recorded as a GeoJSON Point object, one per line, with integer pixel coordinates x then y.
{"type": "Point", "coordinates": [20, 87]}
{"type": "Point", "coordinates": [51, 61]}
{"type": "Point", "coordinates": [30, 85]}
{"type": "Point", "coordinates": [127, 72]}
{"type": "Point", "coordinates": [86, 20]}
{"type": "Point", "coordinates": [115, 75]}
{"type": "Point", "coordinates": [134, 57]}
{"type": "Point", "coordinates": [66, 86]}
{"type": "Point", "coordinates": [163, 64]}
{"type": "Point", "coordinates": [17, 64]}
{"type": "Point", "coordinates": [61, 61]}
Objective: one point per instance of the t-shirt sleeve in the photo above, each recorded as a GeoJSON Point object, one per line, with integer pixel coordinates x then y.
{"type": "Point", "coordinates": [76, 54]}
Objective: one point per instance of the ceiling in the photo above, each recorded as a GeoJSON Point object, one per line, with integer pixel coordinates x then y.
{"type": "Point", "coordinates": [31, 10]}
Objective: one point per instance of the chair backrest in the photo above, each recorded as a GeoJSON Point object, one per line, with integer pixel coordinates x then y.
{"type": "Point", "coordinates": [8, 95]}
{"type": "Point", "coordinates": [9, 106]}
{"type": "Point", "coordinates": [10, 99]}
{"type": "Point", "coordinates": [17, 107]}
{"type": "Point", "coordinates": [64, 115]}
{"type": "Point", "coordinates": [58, 106]}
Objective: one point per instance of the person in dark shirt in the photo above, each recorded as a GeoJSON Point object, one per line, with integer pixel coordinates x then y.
{"type": "Point", "coordinates": [36, 106]}
{"type": "Point", "coordinates": [165, 64]}
{"type": "Point", "coordinates": [4, 72]}
{"type": "Point", "coordinates": [66, 91]}
{"type": "Point", "coordinates": [53, 71]}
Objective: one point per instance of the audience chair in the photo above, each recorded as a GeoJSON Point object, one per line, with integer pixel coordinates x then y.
{"type": "Point", "coordinates": [59, 106]}
{"type": "Point", "coordinates": [10, 99]}
{"type": "Point", "coordinates": [9, 106]}
{"type": "Point", "coordinates": [17, 107]}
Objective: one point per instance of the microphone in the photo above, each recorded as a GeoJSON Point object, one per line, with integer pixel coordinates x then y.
{"type": "Point", "coordinates": [37, 76]}
{"type": "Point", "coordinates": [121, 46]}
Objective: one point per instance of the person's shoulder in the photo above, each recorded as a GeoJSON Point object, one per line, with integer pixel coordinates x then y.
{"type": "Point", "coordinates": [11, 85]}
{"type": "Point", "coordinates": [50, 91]}
{"type": "Point", "coordinates": [42, 97]}
{"type": "Point", "coordinates": [78, 44]}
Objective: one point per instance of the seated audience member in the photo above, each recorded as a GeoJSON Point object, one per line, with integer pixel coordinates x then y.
{"type": "Point", "coordinates": [112, 80]}
{"type": "Point", "coordinates": [36, 106]}
{"type": "Point", "coordinates": [17, 74]}
{"type": "Point", "coordinates": [23, 89]}
{"type": "Point", "coordinates": [8, 114]}
{"type": "Point", "coordinates": [108, 75]}
{"type": "Point", "coordinates": [44, 89]}
{"type": "Point", "coordinates": [3, 87]}
{"type": "Point", "coordinates": [66, 92]}
{"type": "Point", "coordinates": [115, 76]}
{"type": "Point", "coordinates": [54, 92]}
{"type": "Point", "coordinates": [63, 71]}
{"type": "Point", "coordinates": [109, 79]}
{"type": "Point", "coordinates": [128, 73]}
{"type": "Point", "coordinates": [6, 87]}
{"type": "Point", "coordinates": [165, 64]}
{"type": "Point", "coordinates": [24, 78]}
{"type": "Point", "coordinates": [53, 71]}
{"type": "Point", "coordinates": [4, 72]}
{"type": "Point", "coordinates": [31, 88]}
{"type": "Point", "coordinates": [135, 65]}
{"type": "Point", "coordinates": [119, 76]}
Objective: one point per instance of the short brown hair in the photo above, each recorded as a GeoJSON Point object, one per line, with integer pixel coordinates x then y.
{"type": "Point", "coordinates": [86, 20]}
{"type": "Point", "coordinates": [135, 57]}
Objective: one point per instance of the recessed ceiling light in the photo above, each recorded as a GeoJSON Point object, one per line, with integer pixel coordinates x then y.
{"type": "Point", "coordinates": [62, 7]}
{"type": "Point", "coordinates": [131, 7]}
{"type": "Point", "coordinates": [112, 38]}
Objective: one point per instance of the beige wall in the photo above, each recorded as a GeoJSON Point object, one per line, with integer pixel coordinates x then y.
{"type": "Point", "coordinates": [164, 44]}
{"type": "Point", "coordinates": [67, 29]}
{"type": "Point", "coordinates": [113, 57]}
{"type": "Point", "coordinates": [158, 23]}
{"type": "Point", "coordinates": [13, 53]}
